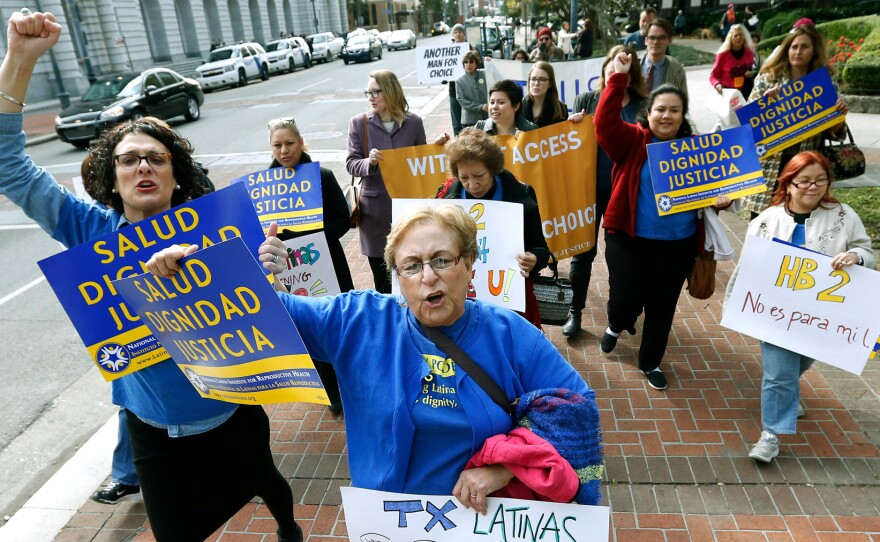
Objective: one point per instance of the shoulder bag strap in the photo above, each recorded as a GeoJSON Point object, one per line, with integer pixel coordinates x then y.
{"type": "Point", "coordinates": [492, 389]}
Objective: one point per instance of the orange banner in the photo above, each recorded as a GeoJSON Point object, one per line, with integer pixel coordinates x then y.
{"type": "Point", "coordinates": [559, 161]}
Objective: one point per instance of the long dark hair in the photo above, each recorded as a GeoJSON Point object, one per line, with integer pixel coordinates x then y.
{"type": "Point", "coordinates": [101, 178]}
{"type": "Point", "coordinates": [685, 130]}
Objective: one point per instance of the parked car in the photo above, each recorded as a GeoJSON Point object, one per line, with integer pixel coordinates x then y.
{"type": "Point", "coordinates": [401, 39]}
{"type": "Point", "coordinates": [326, 46]}
{"type": "Point", "coordinates": [361, 48]}
{"type": "Point", "coordinates": [301, 43]}
{"type": "Point", "coordinates": [383, 37]}
{"type": "Point", "coordinates": [439, 28]}
{"type": "Point", "coordinates": [355, 32]}
{"type": "Point", "coordinates": [112, 99]}
{"type": "Point", "coordinates": [233, 65]}
{"type": "Point", "coordinates": [286, 54]}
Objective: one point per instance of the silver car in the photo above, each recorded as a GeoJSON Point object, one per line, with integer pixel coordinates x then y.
{"type": "Point", "coordinates": [401, 39]}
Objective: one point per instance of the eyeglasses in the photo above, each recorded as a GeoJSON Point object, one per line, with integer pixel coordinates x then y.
{"type": "Point", "coordinates": [282, 121]}
{"type": "Point", "coordinates": [806, 184]}
{"type": "Point", "coordinates": [156, 160]}
{"type": "Point", "coordinates": [657, 38]}
{"type": "Point", "coordinates": [539, 80]}
{"type": "Point", "coordinates": [411, 269]}
{"type": "Point", "coordinates": [372, 93]}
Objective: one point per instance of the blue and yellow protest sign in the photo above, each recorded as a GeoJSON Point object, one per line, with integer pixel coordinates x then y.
{"type": "Point", "coordinates": [226, 329]}
{"type": "Point", "coordinates": [801, 109]}
{"type": "Point", "coordinates": [82, 277]}
{"type": "Point", "coordinates": [692, 172]}
{"type": "Point", "coordinates": [290, 197]}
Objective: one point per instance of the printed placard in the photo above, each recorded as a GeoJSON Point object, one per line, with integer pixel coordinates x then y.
{"type": "Point", "coordinates": [692, 172]}
{"type": "Point", "coordinates": [440, 63]}
{"type": "Point", "coordinates": [793, 298]}
{"type": "Point", "coordinates": [226, 329]}
{"type": "Point", "coordinates": [559, 161]}
{"type": "Point", "coordinates": [402, 517]}
{"type": "Point", "coordinates": [495, 276]}
{"type": "Point", "coordinates": [289, 196]}
{"type": "Point", "coordinates": [310, 269]}
{"type": "Point", "coordinates": [801, 109]}
{"type": "Point", "coordinates": [82, 276]}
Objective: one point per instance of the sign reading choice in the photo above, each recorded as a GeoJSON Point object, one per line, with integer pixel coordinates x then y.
{"type": "Point", "coordinates": [495, 277]}
{"type": "Point", "coordinates": [399, 517]}
{"type": "Point", "coordinates": [289, 196]}
{"type": "Point", "coordinates": [440, 63]}
{"type": "Point", "coordinates": [794, 298]}
{"type": "Point", "coordinates": [692, 172]}
{"type": "Point", "coordinates": [226, 329]}
{"type": "Point", "coordinates": [800, 109]}
{"type": "Point", "coordinates": [82, 277]}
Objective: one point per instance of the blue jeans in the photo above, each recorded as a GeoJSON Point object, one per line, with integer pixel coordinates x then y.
{"type": "Point", "coordinates": [780, 388]}
{"type": "Point", "coordinates": [123, 470]}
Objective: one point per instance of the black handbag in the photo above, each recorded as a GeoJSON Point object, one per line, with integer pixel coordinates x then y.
{"type": "Point", "coordinates": [554, 295]}
{"type": "Point", "coordinates": [845, 158]}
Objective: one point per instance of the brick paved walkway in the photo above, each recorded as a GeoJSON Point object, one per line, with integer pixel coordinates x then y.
{"type": "Point", "coordinates": [677, 465]}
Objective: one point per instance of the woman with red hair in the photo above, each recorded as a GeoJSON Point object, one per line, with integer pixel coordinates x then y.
{"type": "Point", "coordinates": [804, 213]}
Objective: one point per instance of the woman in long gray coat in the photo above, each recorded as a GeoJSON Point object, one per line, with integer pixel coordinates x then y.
{"type": "Point", "coordinates": [470, 91]}
{"type": "Point", "coordinates": [389, 125]}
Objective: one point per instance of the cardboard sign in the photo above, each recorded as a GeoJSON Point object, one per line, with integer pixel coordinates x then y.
{"type": "Point", "coordinates": [559, 161]}
{"type": "Point", "coordinates": [792, 297]}
{"type": "Point", "coordinates": [82, 277]}
{"type": "Point", "coordinates": [572, 78]}
{"type": "Point", "coordinates": [440, 63]}
{"type": "Point", "coordinates": [310, 269]}
{"type": "Point", "coordinates": [801, 109]}
{"type": "Point", "coordinates": [224, 326]}
{"type": "Point", "coordinates": [692, 172]}
{"type": "Point", "coordinates": [496, 278]}
{"type": "Point", "coordinates": [289, 196]}
{"type": "Point", "coordinates": [400, 517]}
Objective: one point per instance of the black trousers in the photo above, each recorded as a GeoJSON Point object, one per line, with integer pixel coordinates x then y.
{"type": "Point", "coordinates": [581, 270]}
{"type": "Point", "coordinates": [193, 485]}
{"type": "Point", "coordinates": [381, 277]}
{"type": "Point", "coordinates": [646, 274]}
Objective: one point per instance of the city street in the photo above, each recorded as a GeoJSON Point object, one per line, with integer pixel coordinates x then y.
{"type": "Point", "coordinates": [48, 379]}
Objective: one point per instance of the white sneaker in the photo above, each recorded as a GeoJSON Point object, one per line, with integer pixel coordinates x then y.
{"type": "Point", "coordinates": [800, 411]}
{"type": "Point", "coordinates": [766, 448]}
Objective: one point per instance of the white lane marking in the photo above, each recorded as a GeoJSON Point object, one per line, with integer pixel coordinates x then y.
{"type": "Point", "coordinates": [23, 289]}
{"type": "Point", "coordinates": [8, 227]}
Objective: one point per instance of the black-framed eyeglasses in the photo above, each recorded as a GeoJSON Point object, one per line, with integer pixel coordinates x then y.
{"type": "Point", "coordinates": [539, 80]}
{"type": "Point", "coordinates": [281, 121]}
{"type": "Point", "coordinates": [806, 184]}
{"type": "Point", "coordinates": [156, 160]}
{"type": "Point", "coordinates": [372, 93]}
{"type": "Point", "coordinates": [411, 269]}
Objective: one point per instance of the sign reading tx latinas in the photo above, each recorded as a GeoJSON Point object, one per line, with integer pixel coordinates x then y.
{"type": "Point", "coordinates": [692, 172]}
{"type": "Point", "coordinates": [289, 196]}
{"type": "Point", "coordinates": [440, 63]}
{"type": "Point", "coordinates": [800, 109]}
{"type": "Point", "coordinates": [224, 326]}
{"type": "Point", "coordinates": [400, 517]}
{"type": "Point", "coordinates": [794, 298]}
{"type": "Point", "coordinates": [82, 276]}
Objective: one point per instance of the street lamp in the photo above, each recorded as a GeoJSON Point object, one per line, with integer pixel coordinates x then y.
{"type": "Point", "coordinates": [315, 13]}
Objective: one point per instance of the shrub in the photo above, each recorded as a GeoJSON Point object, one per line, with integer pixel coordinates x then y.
{"type": "Point", "coordinates": [862, 73]}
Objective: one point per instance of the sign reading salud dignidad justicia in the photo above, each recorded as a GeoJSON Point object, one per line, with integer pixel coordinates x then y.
{"type": "Point", "coordinates": [799, 110]}
{"type": "Point", "coordinates": [692, 172]}
{"type": "Point", "coordinates": [290, 197]}
{"type": "Point", "coordinates": [82, 276]}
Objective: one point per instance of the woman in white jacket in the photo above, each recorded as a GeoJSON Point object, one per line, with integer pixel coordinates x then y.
{"type": "Point", "coordinates": [804, 213]}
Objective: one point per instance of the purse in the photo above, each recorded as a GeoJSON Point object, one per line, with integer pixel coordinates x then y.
{"type": "Point", "coordinates": [845, 158]}
{"type": "Point", "coordinates": [354, 190]}
{"type": "Point", "coordinates": [701, 279]}
{"type": "Point", "coordinates": [554, 295]}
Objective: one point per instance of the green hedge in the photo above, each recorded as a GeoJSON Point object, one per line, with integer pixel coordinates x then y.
{"type": "Point", "coordinates": [861, 74]}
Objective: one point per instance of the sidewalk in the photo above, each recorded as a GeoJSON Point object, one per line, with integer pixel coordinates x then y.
{"type": "Point", "coordinates": [677, 465]}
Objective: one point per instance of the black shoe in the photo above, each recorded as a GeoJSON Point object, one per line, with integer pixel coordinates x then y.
{"type": "Point", "coordinates": [608, 342]}
{"type": "Point", "coordinates": [335, 408]}
{"type": "Point", "coordinates": [297, 536]}
{"type": "Point", "coordinates": [656, 379]}
{"type": "Point", "coordinates": [573, 325]}
{"type": "Point", "coordinates": [113, 492]}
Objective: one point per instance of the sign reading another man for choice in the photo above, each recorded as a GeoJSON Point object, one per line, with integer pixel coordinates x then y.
{"type": "Point", "coordinates": [792, 297]}
{"type": "Point", "coordinates": [224, 326]}
{"type": "Point", "coordinates": [440, 63]}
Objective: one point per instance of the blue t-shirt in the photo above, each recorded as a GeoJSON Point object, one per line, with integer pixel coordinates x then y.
{"type": "Point", "coordinates": [649, 223]}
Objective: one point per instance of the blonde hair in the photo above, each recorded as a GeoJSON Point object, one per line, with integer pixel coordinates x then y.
{"type": "Point", "coordinates": [445, 215]}
{"type": "Point", "coordinates": [747, 37]}
{"type": "Point", "coordinates": [392, 92]}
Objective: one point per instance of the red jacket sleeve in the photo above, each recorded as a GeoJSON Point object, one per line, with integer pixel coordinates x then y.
{"type": "Point", "coordinates": [615, 135]}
